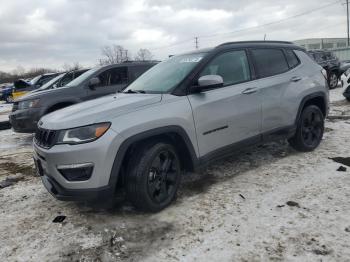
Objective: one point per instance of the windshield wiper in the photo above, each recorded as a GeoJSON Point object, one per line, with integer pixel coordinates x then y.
{"type": "Point", "coordinates": [131, 91]}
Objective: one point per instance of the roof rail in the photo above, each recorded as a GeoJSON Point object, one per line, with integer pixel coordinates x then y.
{"type": "Point", "coordinates": [141, 61]}
{"type": "Point", "coordinates": [257, 42]}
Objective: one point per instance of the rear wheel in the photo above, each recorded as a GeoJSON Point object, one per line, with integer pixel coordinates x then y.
{"type": "Point", "coordinates": [309, 130]}
{"type": "Point", "coordinates": [348, 98]}
{"type": "Point", "coordinates": [153, 176]}
{"type": "Point", "coordinates": [333, 80]}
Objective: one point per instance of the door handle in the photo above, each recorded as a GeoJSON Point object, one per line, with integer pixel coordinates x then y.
{"type": "Point", "coordinates": [295, 79]}
{"type": "Point", "coordinates": [250, 90]}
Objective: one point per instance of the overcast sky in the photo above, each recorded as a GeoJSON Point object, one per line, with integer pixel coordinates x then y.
{"type": "Point", "coordinates": [39, 33]}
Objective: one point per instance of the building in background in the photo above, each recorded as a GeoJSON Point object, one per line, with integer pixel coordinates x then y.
{"type": "Point", "coordinates": [338, 46]}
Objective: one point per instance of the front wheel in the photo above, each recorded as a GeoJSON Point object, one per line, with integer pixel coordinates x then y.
{"type": "Point", "coordinates": [309, 131]}
{"type": "Point", "coordinates": [153, 176]}
{"type": "Point", "coordinates": [333, 80]}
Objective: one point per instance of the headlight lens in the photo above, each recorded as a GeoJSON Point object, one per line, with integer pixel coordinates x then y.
{"type": "Point", "coordinates": [28, 104]}
{"type": "Point", "coordinates": [83, 134]}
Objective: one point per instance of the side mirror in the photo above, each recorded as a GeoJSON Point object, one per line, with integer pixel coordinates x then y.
{"type": "Point", "coordinates": [208, 82]}
{"type": "Point", "coordinates": [95, 81]}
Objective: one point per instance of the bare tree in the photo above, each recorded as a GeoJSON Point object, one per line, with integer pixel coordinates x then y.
{"type": "Point", "coordinates": [70, 67]}
{"type": "Point", "coordinates": [144, 55]}
{"type": "Point", "coordinates": [114, 54]}
{"type": "Point", "coordinates": [19, 71]}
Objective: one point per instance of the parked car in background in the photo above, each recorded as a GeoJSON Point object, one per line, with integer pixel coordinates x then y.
{"type": "Point", "coordinates": [330, 63]}
{"type": "Point", "coordinates": [182, 114]}
{"type": "Point", "coordinates": [344, 65]}
{"type": "Point", "coordinates": [344, 79]}
{"type": "Point", "coordinates": [345, 82]}
{"type": "Point", "coordinates": [21, 87]}
{"type": "Point", "coordinates": [96, 82]}
{"type": "Point", "coordinates": [346, 92]}
{"type": "Point", "coordinates": [6, 93]}
{"type": "Point", "coordinates": [61, 80]}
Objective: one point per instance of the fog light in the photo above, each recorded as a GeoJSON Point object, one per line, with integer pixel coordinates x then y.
{"type": "Point", "coordinates": [76, 172]}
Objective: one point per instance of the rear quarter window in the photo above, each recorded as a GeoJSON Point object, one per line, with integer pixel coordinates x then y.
{"type": "Point", "coordinates": [270, 62]}
{"type": "Point", "coordinates": [292, 58]}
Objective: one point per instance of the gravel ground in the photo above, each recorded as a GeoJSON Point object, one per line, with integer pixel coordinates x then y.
{"type": "Point", "coordinates": [265, 203]}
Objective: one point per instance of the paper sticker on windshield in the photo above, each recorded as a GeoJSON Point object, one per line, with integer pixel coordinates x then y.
{"type": "Point", "coordinates": [191, 60]}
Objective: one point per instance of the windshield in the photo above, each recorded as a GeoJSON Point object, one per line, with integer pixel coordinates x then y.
{"type": "Point", "coordinates": [83, 77]}
{"type": "Point", "coordinates": [166, 75]}
{"type": "Point", "coordinates": [51, 82]}
{"type": "Point", "coordinates": [34, 80]}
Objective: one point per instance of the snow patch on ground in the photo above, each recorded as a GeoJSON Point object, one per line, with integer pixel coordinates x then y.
{"type": "Point", "coordinates": [235, 210]}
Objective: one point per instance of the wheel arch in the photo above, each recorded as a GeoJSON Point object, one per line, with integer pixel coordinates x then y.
{"type": "Point", "coordinates": [174, 134]}
{"type": "Point", "coordinates": [319, 99]}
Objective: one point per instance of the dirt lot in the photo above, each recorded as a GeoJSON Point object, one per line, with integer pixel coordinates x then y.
{"type": "Point", "coordinates": [265, 203]}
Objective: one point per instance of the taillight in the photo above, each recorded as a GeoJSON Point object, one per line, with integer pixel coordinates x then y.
{"type": "Point", "coordinates": [324, 73]}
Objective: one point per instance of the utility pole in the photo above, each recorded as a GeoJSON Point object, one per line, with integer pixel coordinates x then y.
{"type": "Point", "coordinates": [347, 9]}
{"type": "Point", "coordinates": [197, 42]}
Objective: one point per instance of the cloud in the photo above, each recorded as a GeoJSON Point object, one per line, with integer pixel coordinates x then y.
{"type": "Point", "coordinates": [51, 33]}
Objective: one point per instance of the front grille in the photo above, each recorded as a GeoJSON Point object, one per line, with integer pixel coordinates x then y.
{"type": "Point", "coordinates": [15, 106]}
{"type": "Point", "coordinates": [45, 138]}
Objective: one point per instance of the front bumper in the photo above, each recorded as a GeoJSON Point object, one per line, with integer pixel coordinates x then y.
{"type": "Point", "coordinates": [26, 120]}
{"type": "Point", "coordinates": [64, 194]}
{"type": "Point", "coordinates": [101, 153]}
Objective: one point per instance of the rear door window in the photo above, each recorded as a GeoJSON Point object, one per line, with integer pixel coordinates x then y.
{"type": "Point", "coordinates": [292, 59]}
{"type": "Point", "coordinates": [114, 76]}
{"type": "Point", "coordinates": [270, 62]}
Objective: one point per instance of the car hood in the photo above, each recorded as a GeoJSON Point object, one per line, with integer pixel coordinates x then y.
{"type": "Point", "coordinates": [35, 94]}
{"type": "Point", "coordinates": [103, 109]}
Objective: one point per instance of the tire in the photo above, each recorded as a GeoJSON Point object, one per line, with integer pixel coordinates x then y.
{"type": "Point", "coordinates": [333, 80]}
{"type": "Point", "coordinates": [150, 185]}
{"type": "Point", "coordinates": [309, 131]}
{"type": "Point", "coordinates": [348, 98]}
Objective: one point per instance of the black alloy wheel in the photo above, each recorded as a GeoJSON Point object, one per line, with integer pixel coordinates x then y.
{"type": "Point", "coordinates": [162, 176]}
{"type": "Point", "coordinates": [312, 128]}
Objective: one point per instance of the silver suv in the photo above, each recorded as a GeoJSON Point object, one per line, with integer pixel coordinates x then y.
{"type": "Point", "coordinates": [181, 115]}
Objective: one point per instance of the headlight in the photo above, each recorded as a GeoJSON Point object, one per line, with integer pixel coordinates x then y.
{"type": "Point", "coordinates": [83, 134]}
{"type": "Point", "coordinates": [28, 104]}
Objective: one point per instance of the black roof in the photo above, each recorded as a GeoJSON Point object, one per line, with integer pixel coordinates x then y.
{"type": "Point", "coordinates": [261, 43]}
{"type": "Point", "coordinates": [130, 64]}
